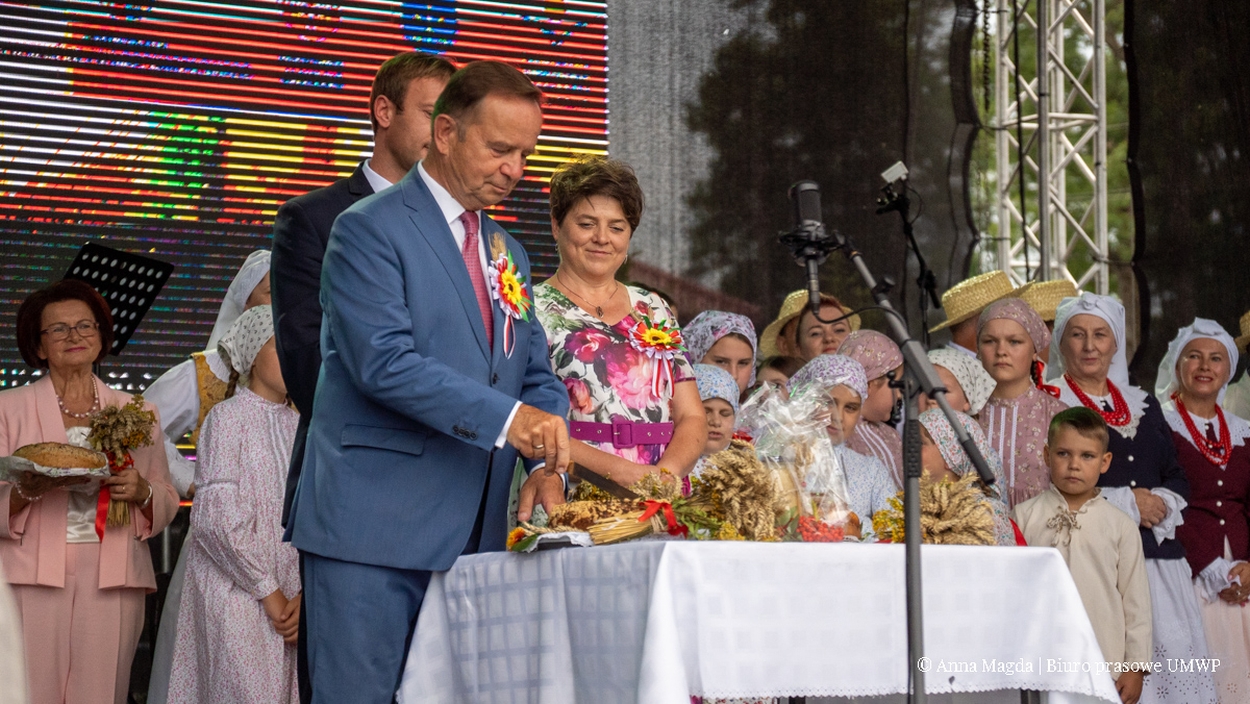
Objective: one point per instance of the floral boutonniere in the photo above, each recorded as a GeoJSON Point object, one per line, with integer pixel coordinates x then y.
{"type": "Point", "coordinates": [507, 286]}
{"type": "Point", "coordinates": [115, 432]}
{"type": "Point", "coordinates": [660, 341]}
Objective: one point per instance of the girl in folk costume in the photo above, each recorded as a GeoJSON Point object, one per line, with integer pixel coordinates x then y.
{"type": "Point", "coordinates": [1089, 365]}
{"type": "Point", "coordinates": [873, 435]}
{"type": "Point", "coordinates": [241, 602]}
{"type": "Point", "coordinates": [719, 393]}
{"type": "Point", "coordinates": [1211, 447]}
{"type": "Point", "coordinates": [968, 387]}
{"type": "Point", "coordinates": [184, 395]}
{"type": "Point", "coordinates": [943, 458]}
{"type": "Point", "coordinates": [868, 482]}
{"type": "Point", "coordinates": [1017, 415]}
{"type": "Point", "coordinates": [725, 340]}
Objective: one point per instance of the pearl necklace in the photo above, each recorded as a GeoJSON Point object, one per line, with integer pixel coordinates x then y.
{"type": "Point", "coordinates": [95, 404]}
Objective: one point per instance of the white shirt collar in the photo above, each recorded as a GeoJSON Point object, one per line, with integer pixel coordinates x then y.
{"type": "Point", "coordinates": [446, 202]}
{"type": "Point", "coordinates": [961, 348]}
{"type": "Point", "coordinates": [377, 181]}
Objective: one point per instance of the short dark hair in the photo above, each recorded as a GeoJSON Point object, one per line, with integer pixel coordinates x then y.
{"type": "Point", "coordinates": [596, 176]}
{"type": "Point", "coordinates": [30, 317]}
{"type": "Point", "coordinates": [478, 79]}
{"type": "Point", "coordinates": [398, 72]}
{"type": "Point", "coordinates": [1084, 421]}
{"type": "Point", "coordinates": [786, 365]}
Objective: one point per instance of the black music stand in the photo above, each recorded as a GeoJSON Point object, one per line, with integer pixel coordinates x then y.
{"type": "Point", "coordinates": [128, 282]}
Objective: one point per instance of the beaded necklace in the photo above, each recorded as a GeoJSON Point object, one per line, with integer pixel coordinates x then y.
{"type": "Point", "coordinates": [1118, 416]}
{"type": "Point", "coordinates": [1216, 452]}
{"type": "Point", "coordinates": [95, 404]}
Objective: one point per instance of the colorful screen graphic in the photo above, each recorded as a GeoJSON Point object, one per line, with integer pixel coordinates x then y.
{"type": "Point", "coordinates": [176, 128]}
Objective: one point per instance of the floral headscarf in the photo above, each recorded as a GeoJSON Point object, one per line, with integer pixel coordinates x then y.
{"type": "Point", "coordinates": [1167, 382]}
{"type": "Point", "coordinates": [1104, 307]}
{"type": "Point", "coordinates": [249, 276]}
{"type": "Point", "coordinates": [1016, 309]}
{"type": "Point", "coordinates": [958, 461]}
{"type": "Point", "coordinates": [710, 326]}
{"type": "Point", "coordinates": [240, 345]}
{"type": "Point", "coordinates": [976, 383]}
{"type": "Point", "coordinates": [830, 370]}
{"type": "Point", "coordinates": [714, 382]}
{"type": "Point", "coordinates": [875, 351]}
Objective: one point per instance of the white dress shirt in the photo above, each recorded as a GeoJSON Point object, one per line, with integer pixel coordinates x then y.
{"type": "Point", "coordinates": [377, 181]}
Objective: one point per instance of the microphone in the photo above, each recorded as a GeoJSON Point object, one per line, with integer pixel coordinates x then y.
{"type": "Point", "coordinates": [806, 198]}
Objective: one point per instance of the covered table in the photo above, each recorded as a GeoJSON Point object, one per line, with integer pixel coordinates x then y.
{"type": "Point", "coordinates": [655, 622]}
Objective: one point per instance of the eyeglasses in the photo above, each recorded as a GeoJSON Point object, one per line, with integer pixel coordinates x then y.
{"type": "Point", "coordinates": [60, 331]}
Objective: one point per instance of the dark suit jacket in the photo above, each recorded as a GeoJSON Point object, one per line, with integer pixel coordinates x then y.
{"type": "Point", "coordinates": [300, 233]}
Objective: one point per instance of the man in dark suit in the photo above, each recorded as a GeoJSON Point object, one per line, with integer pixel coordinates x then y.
{"type": "Point", "coordinates": [400, 106]}
{"type": "Point", "coordinates": [428, 390]}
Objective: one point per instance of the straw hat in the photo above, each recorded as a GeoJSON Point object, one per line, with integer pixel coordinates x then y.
{"type": "Point", "coordinates": [968, 297]}
{"type": "Point", "coordinates": [794, 304]}
{"type": "Point", "coordinates": [1245, 332]}
{"type": "Point", "coordinates": [1044, 296]}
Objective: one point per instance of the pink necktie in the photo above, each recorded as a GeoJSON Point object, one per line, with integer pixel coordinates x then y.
{"type": "Point", "coordinates": [474, 264]}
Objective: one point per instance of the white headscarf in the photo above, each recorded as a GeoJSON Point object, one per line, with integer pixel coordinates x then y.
{"type": "Point", "coordinates": [249, 276]}
{"type": "Point", "coordinates": [1104, 307]}
{"type": "Point", "coordinates": [977, 384]}
{"type": "Point", "coordinates": [242, 342]}
{"type": "Point", "coordinates": [1166, 382]}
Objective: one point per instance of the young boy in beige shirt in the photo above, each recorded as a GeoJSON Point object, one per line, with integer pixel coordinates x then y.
{"type": "Point", "coordinates": [1099, 542]}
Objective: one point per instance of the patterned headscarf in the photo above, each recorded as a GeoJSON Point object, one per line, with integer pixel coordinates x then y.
{"type": "Point", "coordinates": [710, 326]}
{"type": "Point", "coordinates": [1167, 382]}
{"type": "Point", "coordinates": [876, 352]}
{"type": "Point", "coordinates": [830, 370]}
{"type": "Point", "coordinates": [1016, 309]}
{"type": "Point", "coordinates": [714, 382]}
{"type": "Point", "coordinates": [1104, 307]}
{"type": "Point", "coordinates": [943, 435]}
{"type": "Point", "coordinates": [240, 345]}
{"type": "Point", "coordinates": [976, 383]}
{"type": "Point", "coordinates": [249, 276]}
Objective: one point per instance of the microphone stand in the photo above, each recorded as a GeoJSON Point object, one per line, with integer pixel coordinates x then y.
{"type": "Point", "coordinates": [898, 201]}
{"type": "Point", "coordinates": [810, 244]}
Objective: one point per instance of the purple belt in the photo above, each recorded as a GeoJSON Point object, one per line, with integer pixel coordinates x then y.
{"type": "Point", "coordinates": [622, 433]}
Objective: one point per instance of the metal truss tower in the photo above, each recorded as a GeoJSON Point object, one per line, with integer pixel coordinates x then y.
{"type": "Point", "coordinates": [1060, 119]}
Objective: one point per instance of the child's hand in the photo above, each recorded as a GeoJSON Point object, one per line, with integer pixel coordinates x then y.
{"type": "Point", "coordinates": [1129, 686]}
{"type": "Point", "coordinates": [288, 625]}
{"type": "Point", "coordinates": [274, 605]}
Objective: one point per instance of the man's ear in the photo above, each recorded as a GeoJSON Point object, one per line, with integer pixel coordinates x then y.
{"type": "Point", "coordinates": [384, 111]}
{"type": "Point", "coordinates": [444, 131]}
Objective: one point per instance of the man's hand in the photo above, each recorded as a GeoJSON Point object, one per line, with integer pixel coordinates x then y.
{"type": "Point", "coordinates": [1128, 685]}
{"type": "Point", "coordinates": [1151, 507]}
{"type": "Point", "coordinates": [539, 488]}
{"type": "Point", "coordinates": [539, 435]}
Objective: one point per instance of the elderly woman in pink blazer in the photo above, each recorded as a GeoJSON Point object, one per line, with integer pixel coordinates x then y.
{"type": "Point", "coordinates": [79, 593]}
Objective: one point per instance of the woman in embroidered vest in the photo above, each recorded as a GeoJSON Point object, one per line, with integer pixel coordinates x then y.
{"type": "Point", "coordinates": [1088, 363]}
{"type": "Point", "coordinates": [1017, 415]}
{"type": "Point", "coordinates": [184, 395]}
{"type": "Point", "coordinates": [873, 434]}
{"type": "Point", "coordinates": [1211, 446]}
{"type": "Point", "coordinates": [634, 405]}
{"type": "Point", "coordinates": [79, 583]}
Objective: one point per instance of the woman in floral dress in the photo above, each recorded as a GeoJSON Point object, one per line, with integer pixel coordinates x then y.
{"type": "Point", "coordinates": [634, 405]}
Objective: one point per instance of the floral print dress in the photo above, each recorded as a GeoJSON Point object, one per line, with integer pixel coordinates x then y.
{"type": "Point", "coordinates": [607, 378]}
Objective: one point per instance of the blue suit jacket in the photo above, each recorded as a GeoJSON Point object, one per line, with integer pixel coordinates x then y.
{"type": "Point", "coordinates": [410, 399]}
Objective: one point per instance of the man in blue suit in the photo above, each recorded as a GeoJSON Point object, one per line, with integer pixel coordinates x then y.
{"type": "Point", "coordinates": [425, 394]}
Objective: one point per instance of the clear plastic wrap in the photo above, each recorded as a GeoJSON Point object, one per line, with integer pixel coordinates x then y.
{"type": "Point", "coordinates": [790, 436]}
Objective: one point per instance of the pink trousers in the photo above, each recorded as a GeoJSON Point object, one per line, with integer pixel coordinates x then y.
{"type": "Point", "coordinates": [80, 639]}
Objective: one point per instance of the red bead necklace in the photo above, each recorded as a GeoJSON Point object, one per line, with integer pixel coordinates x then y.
{"type": "Point", "coordinates": [1119, 414]}
{"type": "Point", "coordinates": [1216, 452]}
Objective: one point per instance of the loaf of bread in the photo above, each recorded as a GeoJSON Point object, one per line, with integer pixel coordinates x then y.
{"type": "Point", "coordinates": [61, 455]}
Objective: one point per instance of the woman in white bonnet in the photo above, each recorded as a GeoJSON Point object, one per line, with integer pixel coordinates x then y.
{"type": "Point", "coordinates": [184, 395]}
{"type": "Point", "coordinates": [1088, 362]}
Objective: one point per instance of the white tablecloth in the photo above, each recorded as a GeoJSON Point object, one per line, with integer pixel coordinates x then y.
{"type": "Point", "coordinates": [654, 622]}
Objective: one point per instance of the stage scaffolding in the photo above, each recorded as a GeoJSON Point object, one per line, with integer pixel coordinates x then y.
{"type": "Point", "coordinates": [1050, 233]}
